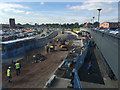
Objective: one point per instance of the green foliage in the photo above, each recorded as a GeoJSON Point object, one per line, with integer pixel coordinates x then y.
{"type": "Point", "coordinates": [72, 26]}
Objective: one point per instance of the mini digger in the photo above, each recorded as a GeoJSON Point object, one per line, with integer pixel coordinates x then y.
{"type": "Point", "coordinates": [63, 45]}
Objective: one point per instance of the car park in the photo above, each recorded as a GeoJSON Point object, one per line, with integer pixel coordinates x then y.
{"type": "Point", "coordinates": [12, 34]}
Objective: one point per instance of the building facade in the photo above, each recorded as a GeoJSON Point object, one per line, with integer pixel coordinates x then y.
{"type": "Point", "coordinates": [12, 22]}
{"type": "Point", "coordinates": [112, 25]}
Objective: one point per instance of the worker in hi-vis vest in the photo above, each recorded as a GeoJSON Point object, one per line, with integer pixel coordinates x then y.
{"type": "Point", "coordinates": [57, 40]}
{"type": "Point", "coordinates": [9, 74]}
{"type": "Point", "coordinates": [51, 48]}
{"type": "Point", "coordinates": [17, 67]}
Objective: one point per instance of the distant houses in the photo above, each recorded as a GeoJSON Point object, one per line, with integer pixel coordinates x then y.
{"type": "Point", "coordinates": [111, 25]}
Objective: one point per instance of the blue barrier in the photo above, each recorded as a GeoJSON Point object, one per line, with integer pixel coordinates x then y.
{"type": "Point", "coordinates": [79, 63]}
{"type": "Point", "coordinates": [77, 81]}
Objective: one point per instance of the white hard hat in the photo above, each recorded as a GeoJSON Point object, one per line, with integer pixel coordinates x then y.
{"type": "Point", "coordinates": [33, 55]}
{"type": "Point", "coordinates": [9, 67]}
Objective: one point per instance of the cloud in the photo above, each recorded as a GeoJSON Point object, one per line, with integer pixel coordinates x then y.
{"type": "Point", "coordinates": [68, 5]}
{"type": "Point", "coordinates": [8, 5]}
{"type": "Point", "coordinates": [87, 5]}
{"type": "Point", "coordinates": [27, 13]}
{"type": "Point", "coordinates": [59, 17]}
{"type": "Point", "coordinates": [58, 0]}
{"type": "Point", "coordinates": [107, 1]}
{"type": "Point", "coordinates": [13, 10]}
{"type": "Point", "coordinates": [41, 3]}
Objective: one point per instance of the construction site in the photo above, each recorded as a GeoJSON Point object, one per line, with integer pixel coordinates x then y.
{"type": "Point", "coordinates": [54, 67]}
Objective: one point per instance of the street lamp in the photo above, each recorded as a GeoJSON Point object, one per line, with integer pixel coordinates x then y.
{"type": "Point", "coordinates": [93, 19]}
{"type": "Point", "coordinates": [99, 16]}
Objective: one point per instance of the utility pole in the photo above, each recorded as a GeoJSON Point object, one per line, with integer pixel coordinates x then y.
{"type": "Point", "coordinates": [99, 16]}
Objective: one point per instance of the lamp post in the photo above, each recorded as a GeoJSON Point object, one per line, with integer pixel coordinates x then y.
{"type": "Point", "coordinates": [93, 19]}
{"type": "Point", "coordinates": [99, 16]}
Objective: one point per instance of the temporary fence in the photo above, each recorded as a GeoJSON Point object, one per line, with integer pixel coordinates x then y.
{"type": "Point", "coordinates": [79, 63]}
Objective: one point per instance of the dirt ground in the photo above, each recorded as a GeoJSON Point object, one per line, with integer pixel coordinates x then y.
{"type": "Point", "coordinates": [34, 75]}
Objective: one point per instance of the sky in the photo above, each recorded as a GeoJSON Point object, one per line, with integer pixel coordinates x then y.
{"type": "Point", "coordinates": [52, 11]}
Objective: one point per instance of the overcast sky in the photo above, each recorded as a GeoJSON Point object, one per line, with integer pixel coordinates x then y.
{"type": "Point", "coordinates": [58, 11]}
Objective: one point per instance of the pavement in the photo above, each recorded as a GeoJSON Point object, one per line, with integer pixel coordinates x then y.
{"type": "Point", "coordinates": [60, 83]}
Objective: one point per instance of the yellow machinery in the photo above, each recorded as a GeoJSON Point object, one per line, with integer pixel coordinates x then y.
{"type": "Point", "coordinates": [64, 46]}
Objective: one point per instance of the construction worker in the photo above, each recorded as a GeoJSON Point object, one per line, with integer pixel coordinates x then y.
{"type": "Point", "coordinates": [9, 74]}
{"type": "Point", "coordinates": [17, 67]}
{"type": "Point", "coordinates": [89, 68]}
{"type": "Point", "coordinates": [51, 48]}
{"type": "Point", "coordinates": [45, 50]}
{"type": "Point", "coordinates": [57, 40]}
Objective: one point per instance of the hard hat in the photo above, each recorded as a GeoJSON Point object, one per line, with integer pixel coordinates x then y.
{"type": "Point", "coordinates": [9, 67]}
{"type": "Point", "coordinates": [33, 55]}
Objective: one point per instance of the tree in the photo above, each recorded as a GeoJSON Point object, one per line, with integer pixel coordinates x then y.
{"type": "Point", "coordinates": [81, 25]}
{"type": "Point", "coordinates": [76, 25]}
{"type": "Point", "coordinates": [95, 24]}
{"type": "Point", "coordinates": [18, 24]}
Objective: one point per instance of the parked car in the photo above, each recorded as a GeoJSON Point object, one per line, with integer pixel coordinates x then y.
{"type": "Point", "coordinates": [35, 32]}
{"type": "Point", "coordinates": [102, 30]}
{"type": "Point", "coordinates": [116, 31]}
{"type": "Point", "coordinates": [30, 34]}
{"type": "Point", "coordinates": [20, 35]}
{"type": "Point", "coordinates": [25, 34]}
{"type": "Point", "coordinates": [42, 35]}
{"type": "Point", "coordinates": [38, 32]}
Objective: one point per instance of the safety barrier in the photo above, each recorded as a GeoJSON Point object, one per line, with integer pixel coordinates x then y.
{"type": "Point", "coordinates": [77, 80]}
{"type": "Point", "coordinates": [108, 46]}
{"type": "Point", "coordinates": [79, 63]}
